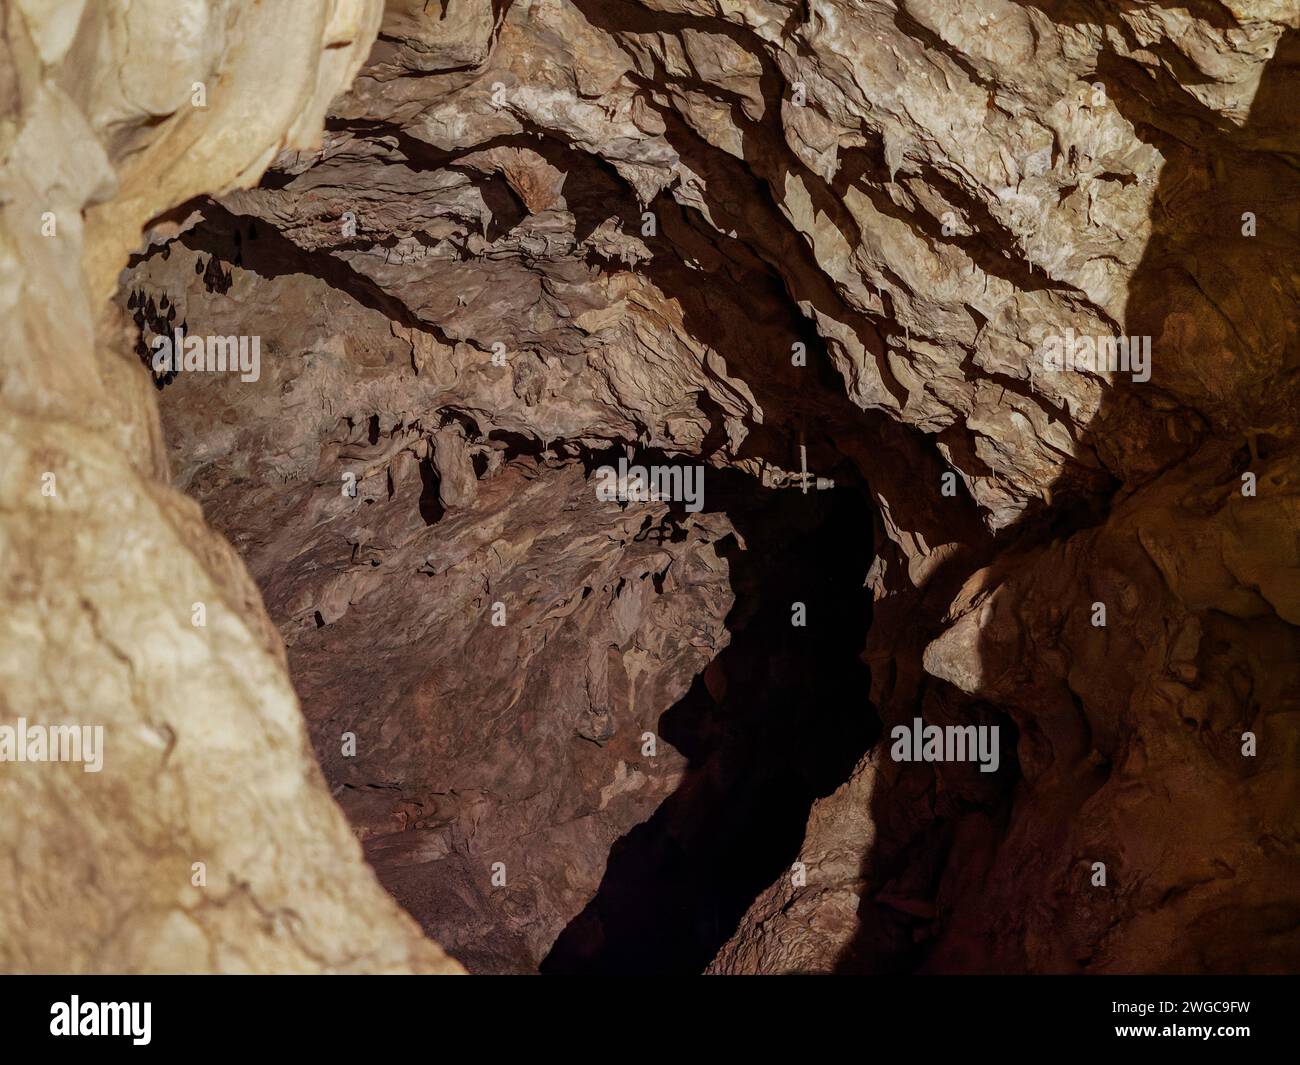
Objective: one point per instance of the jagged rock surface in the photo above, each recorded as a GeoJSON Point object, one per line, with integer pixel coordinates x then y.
{"type": "Point", "coordinates": [539, 233]}
{"type": "Point", "coordinates": [205, 756]}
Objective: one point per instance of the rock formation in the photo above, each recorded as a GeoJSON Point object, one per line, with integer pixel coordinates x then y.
{"type": "Point", "coordinates": [973, 325]}
{"type": "Point", "coordinates": [207, 840]}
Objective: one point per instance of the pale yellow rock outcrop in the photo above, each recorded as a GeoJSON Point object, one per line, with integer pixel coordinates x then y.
{"type": "Point", "coordinates": [110, 114]}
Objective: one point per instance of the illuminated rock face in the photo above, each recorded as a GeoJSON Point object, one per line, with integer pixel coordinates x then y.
{"type": "Point", "coordinates": [205, 840]}
{"type": "Point", "coordinates": [980, 321]}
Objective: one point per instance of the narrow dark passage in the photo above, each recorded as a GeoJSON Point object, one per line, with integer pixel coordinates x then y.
{"type": "Point", "coordinates": [777, 720]}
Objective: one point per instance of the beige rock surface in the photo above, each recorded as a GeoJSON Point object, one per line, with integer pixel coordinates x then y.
{"type": "Point", "coordinates": [538, 236]}
{"type": "Point", "coordinates": [204, 756]}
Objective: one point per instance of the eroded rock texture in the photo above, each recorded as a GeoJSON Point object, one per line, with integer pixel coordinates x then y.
{"type": "Point", "coordinates": [583, 736]}
{"type": "Point", "coordinates": [207, 840]}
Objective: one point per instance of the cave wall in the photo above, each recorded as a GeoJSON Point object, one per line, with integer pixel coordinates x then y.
{"type": "Point", "coordinates": [540, 233]}
{"type": "Point", "coordinates": [205, 758]}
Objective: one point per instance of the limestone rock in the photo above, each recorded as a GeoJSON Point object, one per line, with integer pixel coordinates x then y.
{"type": "Point", "coordinates": [831, 255]}
{"type": "Point", "coordinates": [206, 840]}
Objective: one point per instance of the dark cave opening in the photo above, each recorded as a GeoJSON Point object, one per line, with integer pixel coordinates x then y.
{"type": "Point", "coordinates": [781, 716]}
{"type": "Point", "coordinates": [776, 721]}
